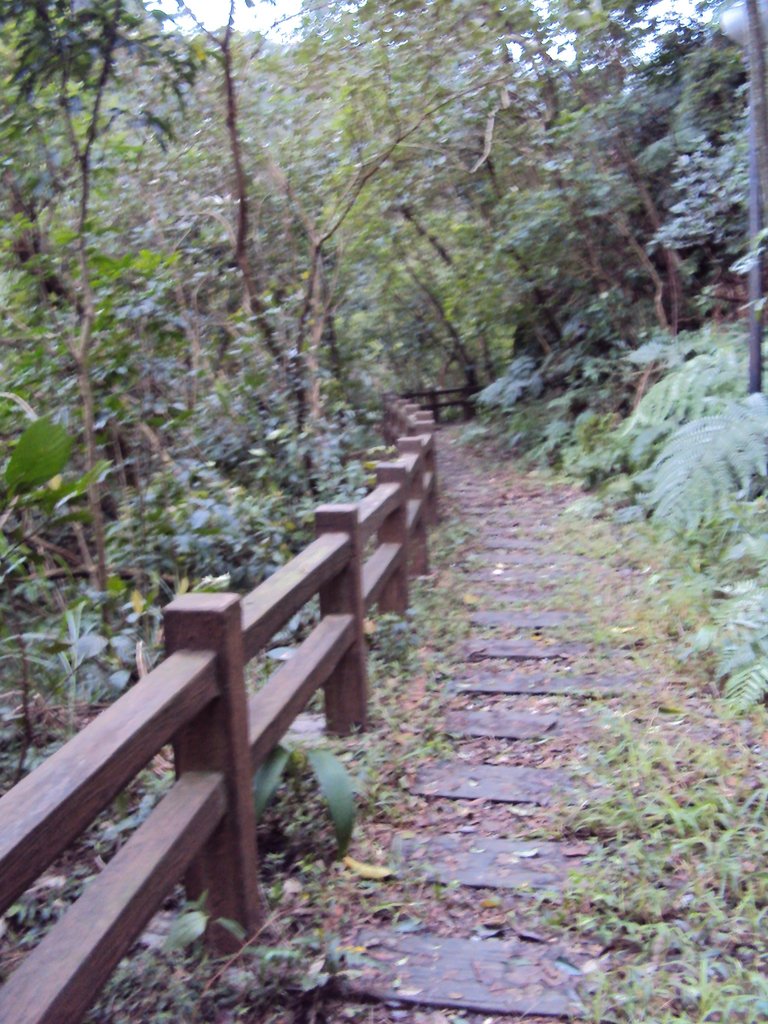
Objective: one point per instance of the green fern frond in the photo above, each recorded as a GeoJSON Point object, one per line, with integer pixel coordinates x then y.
{"type": "Point", "coordinates": [748, 686]}
{"type": "Point", "coordinates": [741, 629]}
{"type": "Point", "coordinates": [699, 387]}
{"type": "Point", "coordinates": [708, 462]}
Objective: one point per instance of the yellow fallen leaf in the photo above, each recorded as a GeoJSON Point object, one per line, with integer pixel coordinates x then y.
{"type": "Point", "coordinates": [470, 599]}
{"type": "Point", "coordinates": [374, 872]}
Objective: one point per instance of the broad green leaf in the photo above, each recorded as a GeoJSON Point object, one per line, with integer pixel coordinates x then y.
{"type": "Point", "coordinates": [186, 929]}
{"type": "Point", "coordinates": [233, 927]}
{"type": "Point", "coordinates": [336, 787]}
{"type": "Point", "coordinates": [89, 645]}
{"type": "Point", "coordinates": [267, 778]}
{"type": "Point", "coordinates": [41, 453]}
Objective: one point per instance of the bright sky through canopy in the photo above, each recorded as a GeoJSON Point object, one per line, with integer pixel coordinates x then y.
{"type": "Point", "coordinates": [278, 20]}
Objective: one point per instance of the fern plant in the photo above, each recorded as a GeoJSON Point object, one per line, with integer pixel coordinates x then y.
{"type": "Point", "coordinates": [700, 387]}
{"type": "Point", "coordinates": [749, 686]}
{"type": "Point", "coordinates": [708, 463]}
{"type": "Point", "coordinates": [741, 637]}
{"type": "Point", "coordinates": [521, 379]}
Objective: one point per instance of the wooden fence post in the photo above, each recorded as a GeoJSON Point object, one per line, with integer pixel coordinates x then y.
{"type": "Point", "coordinates": [468, 404]}
{"type": "Point", "coordinates": [434, 405]}
{"type": "Point", "coordinates": [388, 429]}
{"type": "Point", "coordinates": [394, 530]}
{"type": "Point", "coordinates": [418, 551]}
{"type": "Point", "coordinates": [346, 692]}
{"type": "Point", "coordinates": [430, 466]}
{"type": "Point", "coordinates": [217, 740]}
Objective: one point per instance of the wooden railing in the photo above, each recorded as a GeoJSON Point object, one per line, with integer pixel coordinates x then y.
{"type": "Point", "coordinates": [204, 830]}
{"type": "Point", "coordinates": [437, 399]}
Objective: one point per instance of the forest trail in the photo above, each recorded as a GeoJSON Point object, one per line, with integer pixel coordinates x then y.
{"type": "Point", "coordinates": [531, 691]}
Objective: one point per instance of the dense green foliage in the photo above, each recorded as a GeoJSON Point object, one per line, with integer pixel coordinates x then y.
{"type": "Point", "coordinates": [217, 250]}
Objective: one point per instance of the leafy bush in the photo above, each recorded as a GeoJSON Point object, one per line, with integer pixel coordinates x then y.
{"type": "Point", "coordinates": [521, 379]}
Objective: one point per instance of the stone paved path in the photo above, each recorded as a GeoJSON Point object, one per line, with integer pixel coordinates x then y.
{"type": "Point", "coordinates": [525, 694]}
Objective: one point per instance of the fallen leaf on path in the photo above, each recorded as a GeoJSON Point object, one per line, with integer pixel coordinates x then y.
{"type": "Point", "coordinates": [373, 872]}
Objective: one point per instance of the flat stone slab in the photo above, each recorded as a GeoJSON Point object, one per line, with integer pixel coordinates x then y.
{"type": "Point", "coordinates": [521, 650]}
{"type": "Point", "coordinates": [510, 543]}
{"type": "Point", "coordinates": [500, 724]}
{"type": "Point", "coordinates": [307, 726]}
{"type": "Point", "coordinates": [520, 595]}
{"type": "Point", "coordinates": [513, 576]}
{"type": "Point", "coordinates": [509, 784]}
{"type": "Point", "coordinates": [522, 620]}
{"type": "Point", "coordinates": [488, 863]}
{"type": "Point", "coordinates": [543, 683]}
{"type": "Point", "coordinates": [529, 557]}
{"type": "Point", "coordinates": [491, 976]}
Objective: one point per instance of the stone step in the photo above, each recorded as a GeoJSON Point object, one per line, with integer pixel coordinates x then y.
{"type": "Point", "coordinates": [521, 650]}
{"type": "Point", "coordinates": [490, 976]}
{"type": "Point", "coordinates": [513, 576]}
{"type": "Point", "coordinates": [546, 683]}
{"type": "Point", "coordinates": [500, 783]}
{"type": "Point", "coordinates": [501, 724]}
{"type": "Point", "coordinates": [523, 594]}
{"type": "Point", "coordinates": [483, 862]}
{"type": "Point", "coordinates": [532, 557]}
{"type": "Point", "coordinates": [521, 544]}
{"type": "Point", "coordinates": [522, 620]}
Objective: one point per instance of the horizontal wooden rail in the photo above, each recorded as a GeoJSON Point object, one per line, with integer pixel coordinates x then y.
{"type": "Point", "coordinates": [285, 694]}
{"type": "Point", "coordinates": [43, 813]}
{"type": "Point", "coordinates": [267, 608]}
{"type": "Point", "coordinates": [400, 408]}
{"type": "Point", "coordinates": [204, 829]}
{"type": "Point", "coordinates": [57, 981]}
{"type": "Point", "coordinates": [376, 507]}
{"type": "Point", "coordinates": [378, 570]}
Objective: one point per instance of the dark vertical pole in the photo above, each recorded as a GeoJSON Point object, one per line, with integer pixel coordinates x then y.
{"type": "Point", "coordinates": [755, 311]}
